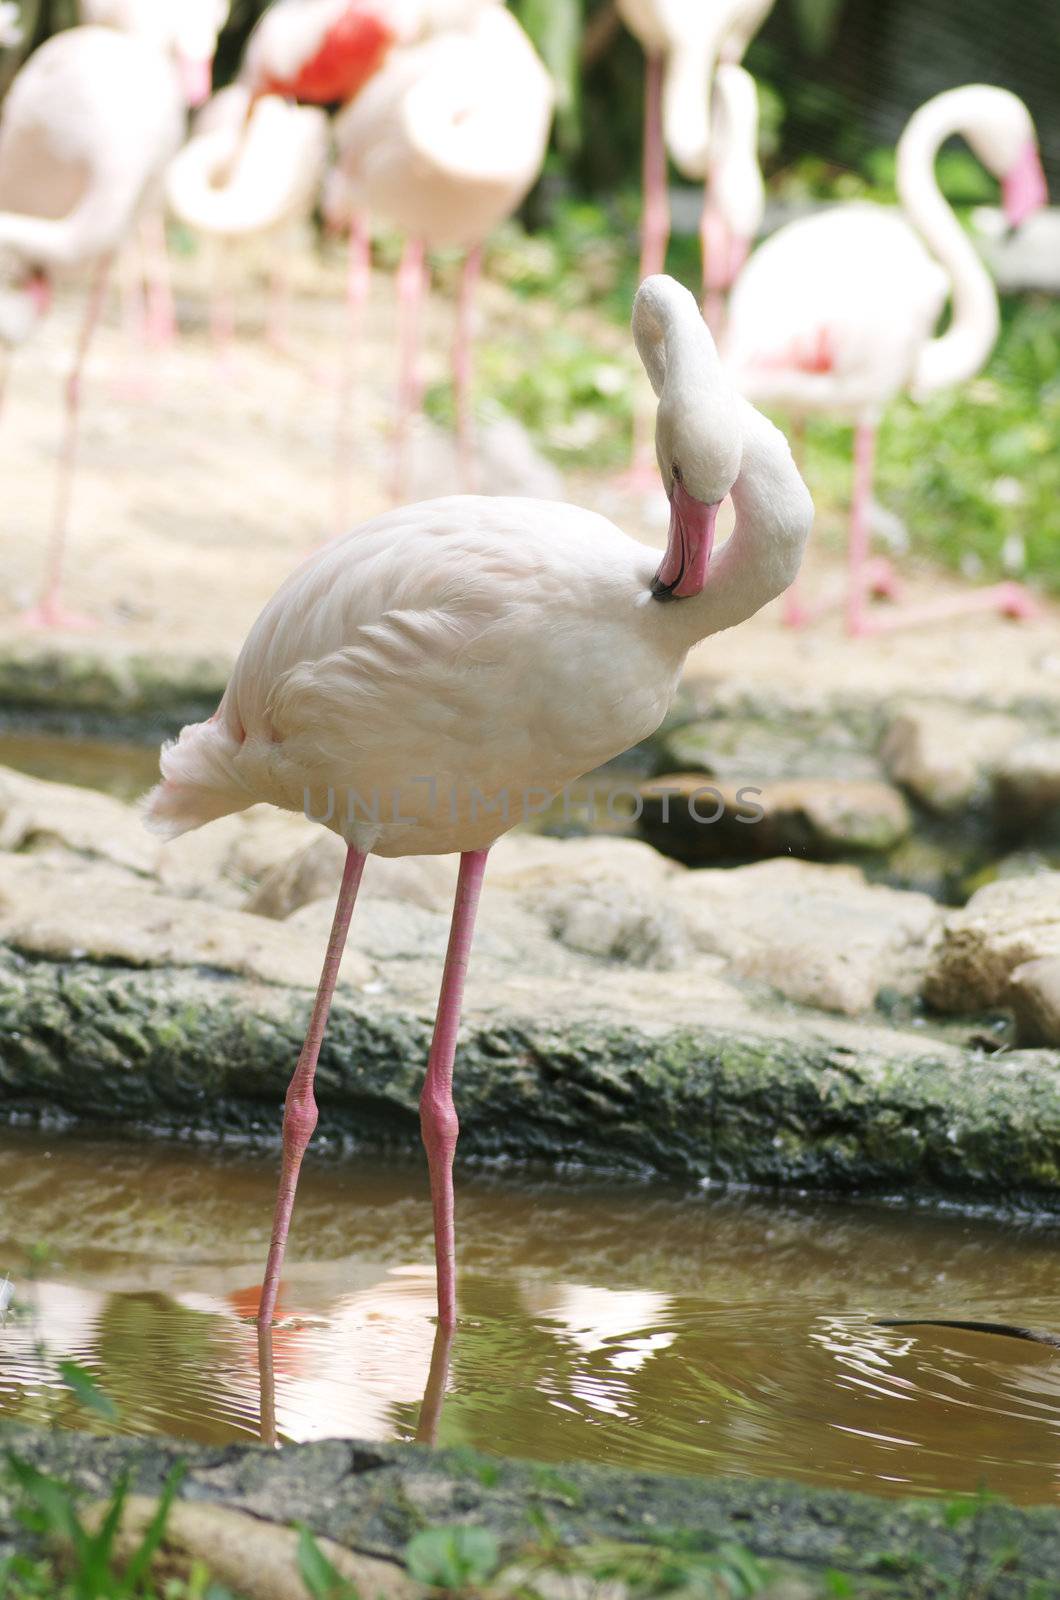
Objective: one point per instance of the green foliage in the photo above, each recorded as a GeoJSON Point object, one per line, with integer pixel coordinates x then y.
{"type": "Point", "coordinates": [319, 1575]}
{"type": "Point", "coordinates": [83, 1385]}
{"type": "Point", "coordinates": [453, 1558]}
{"type": "Point", "coordinates": [48, 1510]}
{"type": "Point", "coordinates": [555, 26]}
{"type": "Point", "coordinates": [671, 1565]}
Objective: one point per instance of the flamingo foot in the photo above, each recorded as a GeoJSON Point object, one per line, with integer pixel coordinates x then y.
{"type": "Point", "coordinates": [882, 581]}
{"type": "Point", "coordinates": [1014, 601]}
{"type": "Point", "coordinates": [796, 614]}
{"type": "Point", "coordinates": [50, 614]}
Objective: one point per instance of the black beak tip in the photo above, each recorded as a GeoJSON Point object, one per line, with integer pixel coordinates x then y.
{"type": "Point", "coordinates": [662, 591]}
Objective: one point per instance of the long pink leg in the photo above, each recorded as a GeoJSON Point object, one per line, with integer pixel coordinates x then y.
{"type": "Point", "coordinates": [267, 1387]}
{"type": "Point", "coordinates": [434, 1394]}
{"type": "Point", "coordinates": [300, 1107]}
{"type": "Point", "coordinates": [654, 237]}
{"type": "Point", "coordinates": [278, 309]}
{"type": "Point", "coordinates": [49, 613]}
{"type": "Point", "coordinates": [438, 1122]}
{"type": "Point", "coordinates": [161, 306]}
{"type": "Point", "coordinates": [858, 549]}
{"type": "Point", "coordinates": [716, 248]}
{"type": "Point", "coordinates": [358, 287]}
{"type": "Point", "coordinates": [410, 287]}
{"type": "Point", "coordinates": [463, 368]}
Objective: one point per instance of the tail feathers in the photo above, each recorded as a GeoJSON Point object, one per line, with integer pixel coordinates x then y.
{"type": "Point", "coordinates": [199, 782]}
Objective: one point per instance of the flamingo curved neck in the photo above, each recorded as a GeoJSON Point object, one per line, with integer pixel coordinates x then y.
{"type": "Point", "coordinates": [958, 353]}
{"type": "Point", "coordinates": [774, 514]}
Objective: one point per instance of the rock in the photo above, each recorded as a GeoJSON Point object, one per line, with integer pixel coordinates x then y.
{"type": "Point", "coordinates": [818, 935]}
{"type": "Point", "coordinates": [313, 873]}
{"type": "Point", "coordinates": [763, 748]}
{"type": "Point", "coordinates": [90, 913]}
{"type": "Point", "coordinates": [1004, 924]}
{"type": "Point", "coordinates": [375, 1497]}
{"type": "Point", "coordinates": [1034, 993]}
{"type": "Point", "coordinates": [39, 816]}
{"type": "Point", "coordinates": [1027, 786]}
{"type": "Point", "coordinates": [944, 755]}
{"type": "Point", "coordinates": [614, 923]}
{"type": "Point", "coordinates": [698, 819]}
{"type": "Point", "coordinates": [748, 1097]}
{"type": "Point", "coordinates": [530, 865]}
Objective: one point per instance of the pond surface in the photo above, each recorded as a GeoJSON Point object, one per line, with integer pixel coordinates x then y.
{"type": "Point", "coordinates": [646, 1328]}
{"type": "Point", "coordinates": [125, 771]}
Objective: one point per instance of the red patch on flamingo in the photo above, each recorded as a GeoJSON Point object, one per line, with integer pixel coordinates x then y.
{"type": "Point", "coordinates": [349, 54]}
{"type": "Point", "coordinates": [817, 355]}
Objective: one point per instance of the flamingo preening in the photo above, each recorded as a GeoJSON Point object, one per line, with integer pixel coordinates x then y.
{"type": "Point", "coordinates": [837, 313]}
{"type": "Point", "coordinates": [249, 171]}
{"type": "Point", "coordinates": [420, 683]}
{"type": "Point", "coordinates": [443, 143]}
{"type": "Point", "coordinates": [86, 130]}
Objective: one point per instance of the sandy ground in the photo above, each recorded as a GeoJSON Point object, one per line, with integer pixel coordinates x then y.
{"type": "Point", "coordinates": [202, 484]}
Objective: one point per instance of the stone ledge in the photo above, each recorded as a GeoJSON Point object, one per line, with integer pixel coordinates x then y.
{"type": "Point", "coordinates": [785, 1100]}
{"type": "Point", "coordinates": [375, 1497]}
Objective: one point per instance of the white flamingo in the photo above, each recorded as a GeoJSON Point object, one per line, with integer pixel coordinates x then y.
{"type": "Point", "coordinates": [249, 171]}
{"type": "Point", "coordinates": [420, 682]}
{"type": "Point", "coordinates": [443, 144]}
{"type": "Point", "coordinates": [186, 29]}
{"type": "Point", "coordinates": [837, 313]}
{"type": "Point", "coordinates": [86, 131]}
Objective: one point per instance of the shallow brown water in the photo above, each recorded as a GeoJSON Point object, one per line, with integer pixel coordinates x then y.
{"type": "Point", "coordinates": [122, 770]}
{"type": "Point", "coordinates": [640, 1327]}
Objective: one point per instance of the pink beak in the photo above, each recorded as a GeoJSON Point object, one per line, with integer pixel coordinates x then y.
{"type": "Point", "coordinates": [1023, 190]}
{"type": "Point", "coordinates": [39, 290]}
{"type": "Point", "coordinates": [196, 81]}
{"type": "Point", "coordinates": [687, 560]}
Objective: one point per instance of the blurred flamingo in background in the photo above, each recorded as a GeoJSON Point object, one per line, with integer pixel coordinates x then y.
{"type": "Point", "coordinates": [684, 41]}
{"type": "Point", "coordinates": [442, 144]}
{"type": "Point", "coordinates": [837, 313]}
{"type": "Point", "coordinates": [187, 31]}
{"type": "Point", "coordinates": [735, 196]}
{"type": "Point", "coordinates": [249, 172]}
{"type": "Point", "coordinates": [86, 131]}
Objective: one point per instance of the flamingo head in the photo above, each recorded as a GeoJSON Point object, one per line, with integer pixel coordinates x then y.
{"type": "Point", "coordinates": [196, 26]}
{"type": "Point", "coordinates": [698, 437]}
{"type": "Point", "coordinates": [1001, 132]}
{"type": "Point", "coordinates": [24, 299]}
{"type": "Point", "coordinates": [1023, 189]}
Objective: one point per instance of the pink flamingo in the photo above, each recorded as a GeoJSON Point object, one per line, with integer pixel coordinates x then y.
{"type": "Point", "coordinates": [86, 130]}
{"type": "Point", "coordinates": [249, 171]}
{"type": "Point", "coordinates": [417, 684]}
{"type": "Point", "coordinates": [837, 313]}
{"type": "Point", "coordinates": [443, 144]}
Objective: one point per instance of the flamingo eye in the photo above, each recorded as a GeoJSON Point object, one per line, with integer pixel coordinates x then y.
{"type": "Point", "coordinates": [676, 473]}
